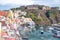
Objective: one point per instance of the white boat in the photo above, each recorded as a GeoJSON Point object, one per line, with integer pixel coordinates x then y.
{"type": "Point", "coordinates": [57, 33]}
{"type": "Point", "coordinates": [41, 30]}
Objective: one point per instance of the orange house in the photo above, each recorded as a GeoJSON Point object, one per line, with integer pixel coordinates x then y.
{"type": "Point", "coordinates": [3, 13]}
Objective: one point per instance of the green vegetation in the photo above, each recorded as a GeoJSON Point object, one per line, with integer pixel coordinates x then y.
{"type": "Point", "coordinates": [47, 14]}
{"type": "Point", "coordinates": [33, 17]}
{"type": "Point", "coordinates": [54, 13]}
{"type": "Point", "coordinates": [46, 17]}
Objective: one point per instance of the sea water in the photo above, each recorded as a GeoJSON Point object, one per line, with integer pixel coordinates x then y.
{"type": "Point", "coordinates": [36, 35]}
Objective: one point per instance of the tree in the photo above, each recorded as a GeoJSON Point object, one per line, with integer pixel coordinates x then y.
{"type": "Point", "coordinates": [54, 13]}
{"type": "Point", "coordinates": [33, 17]}
{"type": "Point", "coordinates": [47, 14]}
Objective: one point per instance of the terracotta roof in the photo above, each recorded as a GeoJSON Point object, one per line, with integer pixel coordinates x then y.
{"type": "Point", "coordinates": [3, 23]}
{"type": "Point", "coordinates": [3, 13]}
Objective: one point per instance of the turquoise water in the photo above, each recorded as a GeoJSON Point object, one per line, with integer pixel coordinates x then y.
{"type": "Point", "coordinates": [35, 35]}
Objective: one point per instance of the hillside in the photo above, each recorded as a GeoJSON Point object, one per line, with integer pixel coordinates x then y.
{"type": "Point", "coordinates": [40, 14]}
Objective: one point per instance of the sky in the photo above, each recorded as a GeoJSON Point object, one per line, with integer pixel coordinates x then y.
{"type": "Point", "coordinates": [7, 4]}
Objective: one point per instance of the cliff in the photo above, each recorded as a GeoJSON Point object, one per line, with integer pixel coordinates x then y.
{"type": "Point", "coordinates": [41, 15]}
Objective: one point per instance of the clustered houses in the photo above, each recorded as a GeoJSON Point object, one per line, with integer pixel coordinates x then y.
{"type": "Point", "coordinates": [42, 7]}
{"type": "Point", "coordinates": [32, 7]}
{"type": "Point", "coordinates": [10, 22]}
{"type": "Point", "coordinates": [46, 8]}
{"type": "Point", "coordinates": [19, 12]}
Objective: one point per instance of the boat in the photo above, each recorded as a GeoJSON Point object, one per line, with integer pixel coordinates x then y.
{"type": "Point", "coordinates": [42, 30]}
{"type": "Point", "coordinates": [57, 34]}
{"type": "Point", "coordinates": [57, 31]}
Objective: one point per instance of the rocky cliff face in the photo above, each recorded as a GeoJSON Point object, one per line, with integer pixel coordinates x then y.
{"type": "Point", "coordinates": [40, 15]}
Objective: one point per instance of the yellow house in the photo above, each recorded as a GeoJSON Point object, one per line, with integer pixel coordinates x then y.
{"type": "Point", "coordinates": [10, 14]}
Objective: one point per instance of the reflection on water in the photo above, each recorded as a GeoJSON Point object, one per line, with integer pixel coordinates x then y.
{"type": "Point", "coordinates": [36, 35]}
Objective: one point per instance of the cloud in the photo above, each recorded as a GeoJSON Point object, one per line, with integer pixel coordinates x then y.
{"type": "Point", "coordinates": [48, 2]}
{"type": "Point", "coordinates": [18, 2]}
{"type": "Point", "coordinates": [29, 2]}
{"type": "Point", "coordinates": [7, 4]}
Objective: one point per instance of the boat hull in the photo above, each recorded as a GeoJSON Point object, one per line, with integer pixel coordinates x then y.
{"type": "Point", "coordinates": [56, 36]}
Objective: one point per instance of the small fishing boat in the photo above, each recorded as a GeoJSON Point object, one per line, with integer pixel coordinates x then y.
{"type": "Point", "coordinates": [57, 34]}
{"type": "Point", "coordinates": [57, 31]}
{"type": "Point", "coordinates": [41, 30]}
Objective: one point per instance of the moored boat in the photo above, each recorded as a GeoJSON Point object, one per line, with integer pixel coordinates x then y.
{"type": "Point", "coordinates": [57, 31]}
{"type": "Point", "coordinates": [57, 34]}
